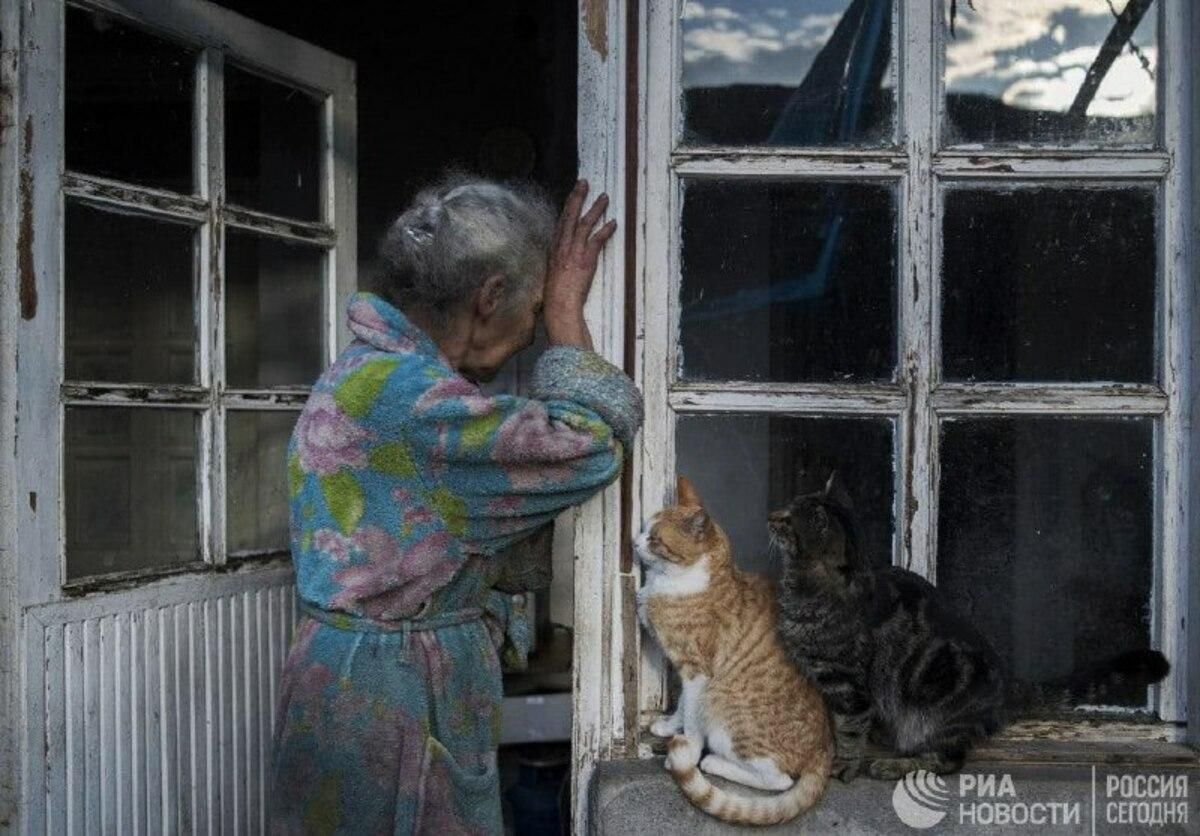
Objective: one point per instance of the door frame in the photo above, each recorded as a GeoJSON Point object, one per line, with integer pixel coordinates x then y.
{"type": "Point", "coordinates": [232, 612]}
{"type": "Point", "coordinates": [605, 723]}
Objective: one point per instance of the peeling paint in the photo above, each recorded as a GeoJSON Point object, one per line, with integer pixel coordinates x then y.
{"type": "Point", "coordinates": [33, 501]}
{"type": "Point", "coordinates": [27, 276]}
{"type": "Point", "coordinates": [101, 191]}
{"type": "Point", "coordinates": [595, 25]}
{"type": "Point", "coordinates": [258, 221]}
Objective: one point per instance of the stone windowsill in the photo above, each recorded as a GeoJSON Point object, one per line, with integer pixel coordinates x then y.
{"type": "Point", "coordinates": [638, 797]}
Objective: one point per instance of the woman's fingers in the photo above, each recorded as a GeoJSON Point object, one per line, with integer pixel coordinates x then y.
{"type": "Point", "coordinates": [597, 241]}
{"type": "Point", "coordinates": [584, 229]}
{"type": "Point", "coordinates": [569, 219]}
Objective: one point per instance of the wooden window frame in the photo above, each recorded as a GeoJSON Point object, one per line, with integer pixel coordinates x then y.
{"type": "Point", "coordinates": [628, 124]}
{"type": "Point", "coordinates": [217, 35]}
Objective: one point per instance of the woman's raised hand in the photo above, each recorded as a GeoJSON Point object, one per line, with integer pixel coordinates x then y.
{"type": "Point", "coordinates": [574, 253]}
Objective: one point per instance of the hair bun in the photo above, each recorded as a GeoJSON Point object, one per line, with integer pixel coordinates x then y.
{"type": "Point", "coordinates": [420, 223]}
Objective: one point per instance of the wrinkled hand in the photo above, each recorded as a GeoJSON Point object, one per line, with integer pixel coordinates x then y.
{"type": "Point", "coordinates": [574, 254]}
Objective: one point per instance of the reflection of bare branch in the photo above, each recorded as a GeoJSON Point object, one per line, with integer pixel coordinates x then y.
{"type": "Point", "coordinates": [954, 13]}
{"type": "Point", "coordinates": [1133, 47]}
{"type": "Point", "coordinates": [1118, 36]}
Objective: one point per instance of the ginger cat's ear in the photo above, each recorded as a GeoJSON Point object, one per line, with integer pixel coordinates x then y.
{"type": "Point", "coordinates": [698, 523]}
{"type": "Point", "coordinates": [685, 494]}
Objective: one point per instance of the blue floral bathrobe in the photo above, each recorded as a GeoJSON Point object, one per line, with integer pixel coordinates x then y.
{"type": "Point", "coordinates": [406, 482]}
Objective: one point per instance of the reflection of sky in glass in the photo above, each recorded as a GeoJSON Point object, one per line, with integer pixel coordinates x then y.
{"type": "Point", "coordinates": [1031, 54]}
{"type": "Point", "coordinates": [754, 41]}
{"type": "Point", "coordinates": [1034, 54]}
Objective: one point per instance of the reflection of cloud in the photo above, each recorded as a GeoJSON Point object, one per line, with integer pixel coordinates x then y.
{"type": "Point", "coordinates": [1034, 54]}
{"type": "Point", "coordinates": [1124, 93]}
{"type": "Point", "coordinates": [1031, 54]}
{"type": "Point", "coordinates": [754, 41]}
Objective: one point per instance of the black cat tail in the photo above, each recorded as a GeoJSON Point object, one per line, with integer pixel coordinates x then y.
{"type": "Point", "coordinates": [1133, 670]}
{"type": "Point", "coordinates": [1119, 677]}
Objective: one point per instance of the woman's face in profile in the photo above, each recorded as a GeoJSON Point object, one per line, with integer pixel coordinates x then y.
{"type": "Point", "coordinates": [499, 337]}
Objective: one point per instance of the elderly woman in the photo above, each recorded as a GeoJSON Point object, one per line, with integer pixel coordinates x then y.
{"type": "Point", "coordinates": [408, 484]}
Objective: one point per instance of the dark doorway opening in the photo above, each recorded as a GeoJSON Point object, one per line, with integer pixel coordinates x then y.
{"type": "Point", "coordinates": [487, 87]}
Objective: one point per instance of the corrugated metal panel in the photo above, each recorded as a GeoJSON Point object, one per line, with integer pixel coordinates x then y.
{"type": "Point", "coordinates": [157, 718]}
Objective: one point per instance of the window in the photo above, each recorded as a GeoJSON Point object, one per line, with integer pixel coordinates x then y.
{"type": "Point", "coordinates": [199, 296]}
{"type": "Point", "coordinates": [936, 247]}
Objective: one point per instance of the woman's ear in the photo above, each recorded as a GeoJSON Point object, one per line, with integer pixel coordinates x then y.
{"type": "Point", "coordinates": [490, 295]}
{"type": "Point", "coordinates": [685, 494]}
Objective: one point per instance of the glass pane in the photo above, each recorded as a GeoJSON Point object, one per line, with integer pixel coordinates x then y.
{"type": "Point", "coordinates": [746, 466]}
{"type": "Point", "coordinates": [128, 103]}
{"type": "Point", "coordinates": [256, 494]}
{"type": "Point", "coordinates": [1049, 284]}
{"type": "Point", "coordinates": [788, 281]}
{"type": "Point", "coordinates": [275, 310]}
{"type": "Point", "coordinates": [780, 73]}
{"type": "Point", "coordinates": [1051, 71]}
{"type": "Point", "coordinates": [129, 298]}
{"type": "Point", "coordinates": [130, 482]}
{"type": "Point", "coordinates": [1045, 540]}
{"type": "Point", "coordinates": [272, 146]}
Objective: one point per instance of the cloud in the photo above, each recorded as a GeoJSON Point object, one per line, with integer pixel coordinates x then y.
{"type": "Point", "coordinates": [761, 42]}
{"type": "Point", "coordinates": [1034, 54]}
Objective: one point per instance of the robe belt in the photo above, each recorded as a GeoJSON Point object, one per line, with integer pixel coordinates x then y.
{"type": "Point", "coordinates": [359, 624]}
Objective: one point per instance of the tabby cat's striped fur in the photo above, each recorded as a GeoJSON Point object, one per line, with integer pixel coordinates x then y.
{"type": "Point", "coordinates": [894, 662]}
{"type": "Point", "coordinates": [765, 725]}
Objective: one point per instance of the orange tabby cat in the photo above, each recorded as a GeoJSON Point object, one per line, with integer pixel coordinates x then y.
{"type": "Point", "coordinates": [764, 724]}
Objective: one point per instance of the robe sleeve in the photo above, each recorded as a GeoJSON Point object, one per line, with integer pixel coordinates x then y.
{"type": "Point", "coordinates": [498, 467]}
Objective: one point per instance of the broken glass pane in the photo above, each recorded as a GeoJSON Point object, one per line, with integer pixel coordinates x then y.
{"type": "Point", "coordinates": [745, 466]}
{"type": "Point", "coordinates": [1051, 71]}
{"type": "Point", "coordinates": [129, 298]}
{"type": "Point", "coordinates": [272, 146]}
{"type": "Point", "coordinates": [1049, 284]}
{"type": "Point", "coordinates": [130, 481]}
{"type": "Point", "coordinates": [256, 496]}
{"type": "Point", "coordinates": [788, 281]}
{"type": "Point", "coordinates": [771, 72]}
{"type": "Point", "coordinates": [128, 103]}
{"type": "Point", "coordinates": [1046, 540]}
{"type": "Point", "coordinates": [275, 311]}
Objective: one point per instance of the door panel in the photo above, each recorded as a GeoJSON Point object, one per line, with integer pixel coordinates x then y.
{"type": "Point", "coordinates": [158, 714]}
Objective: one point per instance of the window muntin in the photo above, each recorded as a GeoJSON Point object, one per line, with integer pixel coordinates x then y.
{"type": "Point", "coordinates": [176, 305]}
{"type": "Point", "coordinates": [929, 394]}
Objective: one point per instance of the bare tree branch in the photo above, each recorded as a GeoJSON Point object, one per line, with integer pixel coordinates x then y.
{"type": "Point", "coordinates": [1118, 36]}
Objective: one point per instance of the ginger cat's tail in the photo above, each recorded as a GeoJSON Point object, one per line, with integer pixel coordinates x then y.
{"type": "Point", "coordinates": [683, 763]}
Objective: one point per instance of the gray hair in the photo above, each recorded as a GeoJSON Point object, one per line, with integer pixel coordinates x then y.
{"type": "Point", "coordinates": [458, 232]}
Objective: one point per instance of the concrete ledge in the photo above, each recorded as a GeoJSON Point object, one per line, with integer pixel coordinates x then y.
{"type": "Point", "coordinates": [635, 798]}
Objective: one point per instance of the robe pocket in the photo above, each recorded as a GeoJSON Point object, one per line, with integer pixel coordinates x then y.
{"type": "Point", "coordinates": [454, 799]}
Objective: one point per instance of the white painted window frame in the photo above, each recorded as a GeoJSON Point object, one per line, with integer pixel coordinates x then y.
{"type": "Point", "coordinates": [628, 119]}
{"type": "Point", "coordinates": [921, 168]}
{"type": "Point", "coordinates": [219, 35]}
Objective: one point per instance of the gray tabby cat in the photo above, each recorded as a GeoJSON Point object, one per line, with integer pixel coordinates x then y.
{"type": "Point", "coordinates": [894, 662]}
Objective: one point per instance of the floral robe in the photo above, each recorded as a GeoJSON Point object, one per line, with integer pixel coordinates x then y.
{"type": "Point", "coordinates": [406, 482]}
